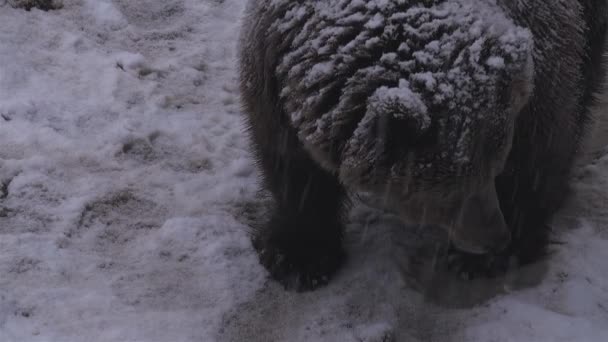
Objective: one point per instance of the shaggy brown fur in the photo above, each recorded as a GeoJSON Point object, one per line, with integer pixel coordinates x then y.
{"type": "Point", "coordinates": [519, 159]}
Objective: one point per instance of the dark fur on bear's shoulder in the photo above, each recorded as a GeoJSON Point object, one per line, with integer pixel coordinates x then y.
{"type": "Point", "coordinates": [535, 181]}
{"type": "Point", "coordinates": [301, 243]}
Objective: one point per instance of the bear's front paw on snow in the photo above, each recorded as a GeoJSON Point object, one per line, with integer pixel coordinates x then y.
{"type": "Point", "coordinates": [471, 266]}
{"type": "Point", "coordinates": [45, 5]}
{"type": "Point", "coordinates": [300, 263]}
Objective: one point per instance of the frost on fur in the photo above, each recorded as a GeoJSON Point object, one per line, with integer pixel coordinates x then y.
{"type": "Point", "coordinates": [355, 68]}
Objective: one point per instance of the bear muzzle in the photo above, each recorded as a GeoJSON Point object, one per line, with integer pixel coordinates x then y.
{"type": "Point", "coordinates": [480, 226]}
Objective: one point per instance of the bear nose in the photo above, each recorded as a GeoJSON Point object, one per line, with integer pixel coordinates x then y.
{"type": "Point", "coordinates": [481, 227]}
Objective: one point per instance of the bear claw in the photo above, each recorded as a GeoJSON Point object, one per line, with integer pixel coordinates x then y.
{"type": "Point", "coordinates": [300, 269]}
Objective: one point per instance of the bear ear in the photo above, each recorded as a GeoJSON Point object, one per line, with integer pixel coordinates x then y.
{"type": "Point", "coordinates": [403, 118]}
{"type": "Point", "coordinates": [406, 130]}
{"type": "Point", "coordinates": [396, 121]}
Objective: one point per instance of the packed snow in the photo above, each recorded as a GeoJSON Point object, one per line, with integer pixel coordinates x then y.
{"type": "Point", "coordinates": [127, 191]}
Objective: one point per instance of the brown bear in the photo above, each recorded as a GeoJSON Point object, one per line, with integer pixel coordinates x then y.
{"type": "Point", "coordinates": [466, 114]}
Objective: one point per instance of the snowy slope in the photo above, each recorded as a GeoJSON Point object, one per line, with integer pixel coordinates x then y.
{"type": "Point", "coordinates": [127, 191]}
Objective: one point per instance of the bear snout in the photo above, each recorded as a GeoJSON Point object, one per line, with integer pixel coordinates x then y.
{"type": "Point", "coordinates": [481, 227]}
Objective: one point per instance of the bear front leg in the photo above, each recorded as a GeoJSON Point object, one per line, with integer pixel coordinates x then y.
{"type": "Point", "coordinates": [301, 244]}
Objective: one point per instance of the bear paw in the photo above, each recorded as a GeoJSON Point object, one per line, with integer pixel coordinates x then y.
{"type": "Point", "coordinates": [470, 266]}
{"type": "Point", "coordinates": [300, 264]}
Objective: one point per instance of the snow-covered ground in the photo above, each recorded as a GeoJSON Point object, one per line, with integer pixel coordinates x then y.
{"type": "Point", "coordinates": [127, 192]}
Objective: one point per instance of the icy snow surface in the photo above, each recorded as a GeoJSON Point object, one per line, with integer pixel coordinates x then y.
{"type": "Point", "coordinates": [127, 190]}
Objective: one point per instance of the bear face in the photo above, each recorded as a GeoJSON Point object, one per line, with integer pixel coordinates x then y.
{"type": "Point", "coordinates": [455, 190]}
{"type": "Point", "coordinates": [416, 104]}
